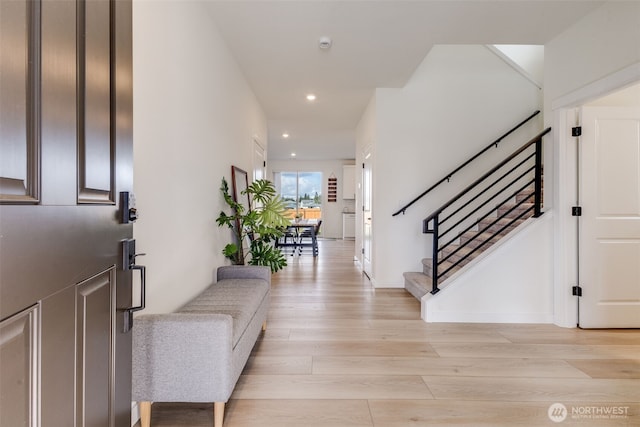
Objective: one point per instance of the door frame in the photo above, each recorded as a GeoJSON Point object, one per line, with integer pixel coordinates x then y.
{"type": "Point", "coordinates": [599, 233]}
{"type": "Point", "coordinates": [257, 167]}
{"type": "Point", "coordinates": [565, 184]}
{"type": "Point", "coordinates": [367, 268]}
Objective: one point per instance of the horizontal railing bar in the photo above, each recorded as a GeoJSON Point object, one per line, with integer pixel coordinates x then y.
{"type": "Point", "coordinates": [448, 177]}
{"type": "Point", "coordinates": [491, 224]}
{"type": "Point", "coordinates": [527, 184]}
{"type": "Point", "coordinates": [426, 230]}
{"type": "Point", "coordinates": [486, 241]}
{"type": "Point", "coordinates": [488, 174]}
{"type": "Point", "coordinates": [509, 172]}
{"type": "Point", "coordinates": [504, 175]}
{"type": "Point", "coordinates": [509, 185]}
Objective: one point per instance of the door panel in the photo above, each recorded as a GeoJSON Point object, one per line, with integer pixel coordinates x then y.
{"type": "Point", "coordinates": [18, 97]}
{"type": "Point", "coordinates": [94, 77]}
{"type": "Point", "coordinates": [94, 347]}
{"type": "Point", "coordinates": [59, 105]}
{"type": "Point", "coordinates": [618, 167]}
{"type": "Point", "coordinates": [18, 365]}
{"type": "Point", "coordinates": [610, 225]}
{"type": "Point", "coordinates": [43, 251]}
{"type": "Point", "coordinates": [58, 354]}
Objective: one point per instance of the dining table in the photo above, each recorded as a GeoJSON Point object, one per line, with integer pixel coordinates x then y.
{"type": "Point", "coordinates": [302, 232]}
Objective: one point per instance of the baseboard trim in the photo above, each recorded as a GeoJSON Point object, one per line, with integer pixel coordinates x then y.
{"type": "Point", "coordinates": [457, 317]}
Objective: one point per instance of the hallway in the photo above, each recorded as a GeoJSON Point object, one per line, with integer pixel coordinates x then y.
{"type": "Point", "coordinates": [338, 352]}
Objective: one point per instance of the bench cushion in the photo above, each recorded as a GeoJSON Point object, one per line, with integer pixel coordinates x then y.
{"type": "Point", "coordinates": [238, 298]}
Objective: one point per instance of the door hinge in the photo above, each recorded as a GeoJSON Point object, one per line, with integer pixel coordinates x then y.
{"type": "Point", "coordinates": [576, 211]}
{"type": "Point", "coordinates": [362, 251]}
{"type": "Point", "coordinates": [576, 291]}
{"type": "Point", "coordinates": [264, 164]}
{"type": "Point", "coordinates": [576, 131]}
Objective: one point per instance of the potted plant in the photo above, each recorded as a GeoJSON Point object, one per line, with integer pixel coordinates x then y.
{"type": "Point", "coordinates": [257, 228]}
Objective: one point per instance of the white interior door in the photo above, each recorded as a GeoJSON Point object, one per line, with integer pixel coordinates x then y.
{"type": "Point", "coordinates": [610, 222]}
{"type": "Point", "coordinates": [367, 220]}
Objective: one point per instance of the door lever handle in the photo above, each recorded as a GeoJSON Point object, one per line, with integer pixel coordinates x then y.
{"type": "Point", "coordinates": [133, 257]}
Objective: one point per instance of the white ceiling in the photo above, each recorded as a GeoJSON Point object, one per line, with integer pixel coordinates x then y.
{"type": "Point", "coordinates": [375, 44]}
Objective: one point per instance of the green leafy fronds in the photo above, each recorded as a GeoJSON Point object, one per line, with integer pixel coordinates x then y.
{"type": "Point", "coordinates": [224, 219]}
{"type": "Point", "coordinates": [236, 207]}
{"type": "Point", "coordinates": [262, 191]}
{"type": "Point", "coordinates": [230, 250]}
{"type": "Point", "coordinates": [273, 213]}
{"type": "Point", "coordinates": [263, 253]}
{"type": "Point", "coordinates": [262, 223]}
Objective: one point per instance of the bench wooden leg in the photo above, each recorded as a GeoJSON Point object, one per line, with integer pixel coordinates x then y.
{"type": "Point", "coordinates": [145, 414]}
{"type": "Point", "coordinates": [218, 414]}
{"type": "Point", "coordinates": [264, 325]}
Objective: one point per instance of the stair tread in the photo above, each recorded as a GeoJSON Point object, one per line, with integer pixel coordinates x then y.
{"type": "Point", "coordinates": [417, 284]}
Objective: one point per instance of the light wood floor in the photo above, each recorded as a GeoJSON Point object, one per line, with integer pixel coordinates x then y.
{"type": "Point", "coordinates": [338, 352]}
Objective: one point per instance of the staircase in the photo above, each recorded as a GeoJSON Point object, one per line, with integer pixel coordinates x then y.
{"type": "Point", "coordinates": [481, 215]}
{"type": "Point", "coordinates": [485, 233]}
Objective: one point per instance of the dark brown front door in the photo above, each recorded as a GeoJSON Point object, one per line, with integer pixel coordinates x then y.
{"type": "Point", "coordinates": [65, 157]}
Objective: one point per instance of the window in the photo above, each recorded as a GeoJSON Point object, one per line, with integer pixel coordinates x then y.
{"type": "Point", "coordinates": [302, 193]}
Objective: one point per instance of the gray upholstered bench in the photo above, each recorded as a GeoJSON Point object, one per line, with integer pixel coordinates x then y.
{"type": "Point", "coordinates": [197, 353]}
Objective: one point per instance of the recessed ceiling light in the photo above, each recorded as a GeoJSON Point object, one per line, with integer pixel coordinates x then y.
{"type": "Point", "coordinates": [311, 97]}
{"type": "Point", "coordinates": [285, 135]}
{"type": "Point", "coordinates": [293, 154]}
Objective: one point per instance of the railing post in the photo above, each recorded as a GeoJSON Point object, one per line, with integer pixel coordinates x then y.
{"type": "Point", "coordinates": [538, 180]}
{"type": "Point", "coordinates": [434, 260]}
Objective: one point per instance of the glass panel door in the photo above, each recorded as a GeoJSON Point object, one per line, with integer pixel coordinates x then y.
{"type": "Point", "coordinates": [302, 193]}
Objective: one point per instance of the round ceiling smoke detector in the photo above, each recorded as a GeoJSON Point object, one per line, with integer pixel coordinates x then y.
{"type": "Point", "coordinates": [324, 42]}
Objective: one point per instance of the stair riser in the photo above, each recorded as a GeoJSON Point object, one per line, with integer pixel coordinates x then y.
{"type": "Point", "coordinates": [471, 240]}
{"type": "Point", "coordinates": [414, 290]}
{"type": "Point", "coordinates": [505, 211]}
{"type": "Point", "coordinates": [427, 268]}
{"type": "Point", "coordinates": [499, 226]}
{"type": "Point", "coordinates": [526, 196]}
{"type": "Point", "coordinates": [471, 244]}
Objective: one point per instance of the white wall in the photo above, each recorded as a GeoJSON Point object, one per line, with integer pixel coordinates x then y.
{"type": "Point", "coordinates": [605, 41]}
{"type": "Point", "coordinates": [459, 100]}
{"type": "Point", "coordinates": [521, 294]}
{"type": "Point", "coordinates": [331, 212]}
{"type": "Point", "coordinates": [591, 58]}
{"type": "Point", "coordinates": [194, 117]}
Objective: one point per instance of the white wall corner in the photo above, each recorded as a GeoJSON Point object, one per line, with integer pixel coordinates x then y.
{"type": "Point", "coordinates": [512, 282]}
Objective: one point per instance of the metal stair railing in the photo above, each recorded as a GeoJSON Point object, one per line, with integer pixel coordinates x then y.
{"type": "Point", "coordinates": [469, 207]}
